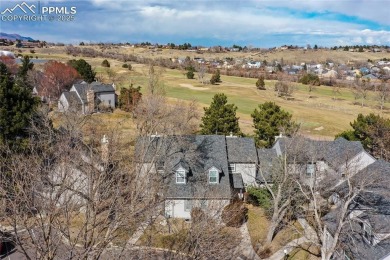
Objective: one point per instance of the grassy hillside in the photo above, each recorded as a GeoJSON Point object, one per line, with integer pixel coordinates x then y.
{"type": "Point", "coordinates": [319, 114]}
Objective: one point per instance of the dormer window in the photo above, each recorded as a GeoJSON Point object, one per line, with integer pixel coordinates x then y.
{"type": "Point", "coordinates": [213, 176]}
{"type": "Point", "coordinates": [160, 166]}
{"type": "Point", "coordinates": [181, 176]}
{"type": "Point", "coordinates": [310, 168]}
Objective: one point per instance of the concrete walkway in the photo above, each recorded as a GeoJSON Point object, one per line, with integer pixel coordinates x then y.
{"type": "Point", "coordinates": [140, 230]}
{"type": "Point", "coordinates": [308, 236]}
{"type": "Point", "coordinates": [245, 249]}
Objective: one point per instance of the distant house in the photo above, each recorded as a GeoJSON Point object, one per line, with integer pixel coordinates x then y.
{"type": "Point", "coordinates": [370, 77]}
{"type": "Point", "coordinates": [364, 70]}
{"type": "Point", "coordinates": [88, 98]}
{"type": "Point", "coordinates": [253, 65]}
{"type": "Point", "coordinates": [7, 54]}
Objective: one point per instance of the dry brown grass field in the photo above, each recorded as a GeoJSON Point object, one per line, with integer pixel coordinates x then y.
{"type": "Point", "coordinates": [318, 113]}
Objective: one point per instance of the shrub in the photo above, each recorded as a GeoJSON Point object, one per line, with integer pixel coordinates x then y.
{"type": "Point", "coordinates": [261, 197]}
{"type": "Point", "coordinates": [216, 77]}
{"type": "Point", "coordinates": [125, 66]}
{"type": "Point", "coordinates": [105, 63]}
{"type": "Point", "coordinates": [260, 83]}
{"type": "Point", "coordinates": [190, 75]}
{"type": "Point", "coordinates": [235, 214]}
{"type": "Point", "coordinates": [310, 79]}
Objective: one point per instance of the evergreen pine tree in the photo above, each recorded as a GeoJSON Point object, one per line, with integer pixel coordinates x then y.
{"type": "Point", "coordinates": [260, 84]}
{"type": "Point", "coordinates": [84, 69]}
{"type": "Point", "coordinates": [220, 117]}
{"type": "Point", "coordinates": [16, 107]}
{"type": "Point", "coordinates": [269, 120]}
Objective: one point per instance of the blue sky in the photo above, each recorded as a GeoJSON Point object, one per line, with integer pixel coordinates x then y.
{"type": "Point", "coordinates": [259, 23]}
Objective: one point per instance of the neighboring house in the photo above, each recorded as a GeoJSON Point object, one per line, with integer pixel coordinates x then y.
{"type": "Point", "coordinates": [88, 98]}
{"type": "Point", "coordinates": [367, 234]}
{"type": "Point", "coordinates": [327, 158]}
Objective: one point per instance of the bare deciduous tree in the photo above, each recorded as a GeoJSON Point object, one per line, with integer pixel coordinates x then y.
{"type": "Point", "coordinates": [201, 71]}
{"type": "Point", "coordinates": [155, 85]}
{"type": "Point", "coordinates": [383, 94]}
{"type": "Point", "coordinates": [72, 197]}
{"type": "Point", "coordinates": [325, 185]}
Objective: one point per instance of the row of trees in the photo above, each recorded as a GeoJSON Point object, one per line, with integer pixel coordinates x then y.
{"type": "Point", "coordinates": [269, 120]}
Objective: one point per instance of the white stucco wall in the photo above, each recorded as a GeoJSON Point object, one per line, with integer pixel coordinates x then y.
{"type": "Point", "coordinates": [357, 163]}
{"type": "Point", "coordinates": [63, 104]}
{"type": "Point", "coordinates": [107, 98]}
{"type": "Point", "coordinates": [248, 173]}
{"type": "Point", "coordinates": [175, 208]}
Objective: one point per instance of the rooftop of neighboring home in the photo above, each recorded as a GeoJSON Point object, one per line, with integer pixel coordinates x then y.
{"type": "Point", "coordinates": [241, 150]}
{"type": "Point", "coordinates": [371, 208]}
{"type": "Point", "coordinates": [97, 87]}
{"type": "Point", "coordinates": [335, 153]}
{"type": "Point", "coordinates": [268, 158]}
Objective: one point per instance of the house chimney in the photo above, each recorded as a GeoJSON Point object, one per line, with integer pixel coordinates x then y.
{"type": "Point", "coordinates": [105, 150]}
{"type": "Point", "coordinates": [90, 100]}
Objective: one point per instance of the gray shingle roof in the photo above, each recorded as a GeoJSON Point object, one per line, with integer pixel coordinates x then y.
{"type": "Point", "coordinates": [198, 153]}
{"type": "Point", "coordinates": [238, 183]}
{"type": "Point", "coordinates": [374, 202]}
{"type": "Point", "coordinates": [335, 153]}
{"type": "Point", "coordinates": [241, 150]}
{"type": "Point", "coordinates": [351, 238]}
{"type": "Point", "coordinates": [72, 98]}
{"type": "Point", "coordinates": [267, 161]}
{"type": "Point", "coordinates": [97, 87]}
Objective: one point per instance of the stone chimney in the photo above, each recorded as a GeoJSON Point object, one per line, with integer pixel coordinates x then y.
{"type": "Point", "coordinates": [90, 100]}
{"type": "Point", "coordinates": [105, 149]}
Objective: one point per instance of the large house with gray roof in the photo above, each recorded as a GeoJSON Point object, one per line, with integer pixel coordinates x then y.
{"type": "Point", "coordinates": [87, 98]}
{"type": "Point", "coordinates": [205, 171]}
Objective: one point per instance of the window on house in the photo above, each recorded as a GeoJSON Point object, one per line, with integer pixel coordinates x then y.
{"type": "Point", "coordinates": [213, 176]}
{"type": "Point", "coordinates": [180, 176]}
{"type": "Point", "coordinates": [367, 232]}
{"type": "Point", "coordinates": [310, 168]}
{"type": "Point", "coordinates": [160, 166]}
{"type": "Point", "coordinates": [187, 205]}
{"type": "Point", "coordinates": [232, 167]}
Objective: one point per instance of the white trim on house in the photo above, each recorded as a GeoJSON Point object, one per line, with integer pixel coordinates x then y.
{"type": "Point", "coordinates": [181, 176]}
{"type": "Point", "coordinates": [213, 176]}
